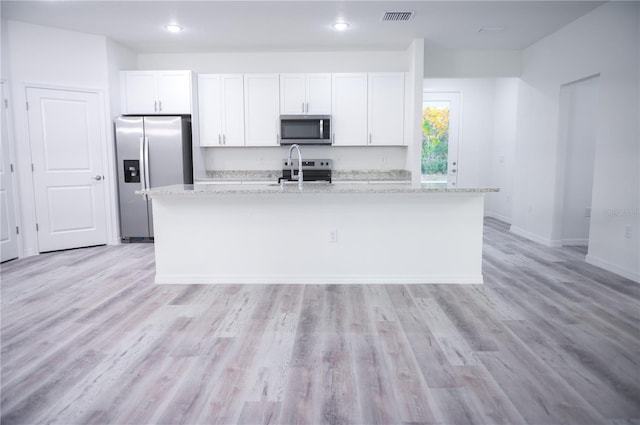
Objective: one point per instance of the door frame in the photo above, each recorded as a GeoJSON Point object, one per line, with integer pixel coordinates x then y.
{"type": "Point", "coordinates": [455, 125]}
{"type": "Point", "coordinates": [26, 194]}
{"type": "Point", "coordinates": [565, 141]}
{"type": "Point", "coordinates": [12, 158]}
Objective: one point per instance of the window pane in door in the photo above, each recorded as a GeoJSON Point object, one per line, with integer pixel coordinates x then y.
{"type": "Point", "coordinates": [435, 140]}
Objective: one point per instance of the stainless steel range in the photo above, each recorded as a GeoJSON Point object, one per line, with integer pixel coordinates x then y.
{"type": "Point", "coordinates": [317, 170]}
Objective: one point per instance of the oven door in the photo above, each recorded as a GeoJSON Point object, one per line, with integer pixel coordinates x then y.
{"type": "Point", "coordinates": [305, 129]}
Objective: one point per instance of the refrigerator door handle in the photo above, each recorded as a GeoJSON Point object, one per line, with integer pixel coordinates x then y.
{"type": "Point", "coordinates": [147, 179]}
{"type": "Point", "coordinates": [143, 165]}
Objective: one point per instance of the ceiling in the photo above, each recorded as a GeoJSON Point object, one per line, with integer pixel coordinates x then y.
{"type": "Point", "coordinates": [212, 26]}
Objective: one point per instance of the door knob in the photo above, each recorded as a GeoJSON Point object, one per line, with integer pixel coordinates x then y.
{"type": "Point", "coordinates": [97, 178]}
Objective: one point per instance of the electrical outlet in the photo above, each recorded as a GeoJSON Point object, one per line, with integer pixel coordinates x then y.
{"type": "Point", "coordinates": [627, 231]}
{"type": "Point", "coordinates": [333, 235]}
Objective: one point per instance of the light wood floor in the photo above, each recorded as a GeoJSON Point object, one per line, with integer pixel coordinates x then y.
{"type": "Point", "coordinates": [87, 338]}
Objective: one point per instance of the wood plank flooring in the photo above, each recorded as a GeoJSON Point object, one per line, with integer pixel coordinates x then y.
{"type": "Point", "coordinates": [88, 338]}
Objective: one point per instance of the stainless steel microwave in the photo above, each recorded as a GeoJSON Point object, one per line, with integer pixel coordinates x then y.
{"type": "Point", "coordinates": [305, 129]}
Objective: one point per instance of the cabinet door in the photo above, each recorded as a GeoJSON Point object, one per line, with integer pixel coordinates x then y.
{"type": "Point", "coordinates": [292, 94]}
{"type": "Point", "coordinates": [139, 92]}
{"type": "Point", "coordinates": [349, 109]}
{"type": "Point", "coordinates": [386, 108]}
{"type": "Point", "coordinates": [318, 94]}
{"type": "Point", "coordinates": [262, 107]}
{"type": "Point", "coordinates": [232, 87]}
{"type": "Point", "coordinates": [174, 92]}
{"type": "Point", "coordinates": [210, 110]}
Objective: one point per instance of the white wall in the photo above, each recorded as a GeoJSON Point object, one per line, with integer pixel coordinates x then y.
{"type": "Point", "coordinates": [603, 42]}
{"type": "Point", "coordinates": [413, 109]}
{"type": "Point", "coordinates": [501, 164]}
{"type": "Point", "coordinates": [118, 58]}
{"type": "Point", "coordinates": [240, 158]}
{"type": "Point", "coordinates": [277, 62]}
{"type": "Point", "coordinates": [62, 59]}
{"type": "Point", "coordinates": [4, 50]}
{"type": "Point", "coordinates": [447, 63]}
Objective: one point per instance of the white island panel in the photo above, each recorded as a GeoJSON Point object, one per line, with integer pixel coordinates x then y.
{"type": "Point", "coordinates": [387, 237]}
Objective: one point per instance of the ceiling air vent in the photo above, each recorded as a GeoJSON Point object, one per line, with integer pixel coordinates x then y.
{"type": "Point", "coordinates": [397, 16]}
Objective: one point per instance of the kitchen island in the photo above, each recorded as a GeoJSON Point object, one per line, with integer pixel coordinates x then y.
{"type": "Point", "coordinates": [343, 233]}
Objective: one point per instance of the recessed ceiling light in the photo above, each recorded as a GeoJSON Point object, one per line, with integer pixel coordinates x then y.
{"type": "Point", "coordinates": [340, 26]}
{"type": "Point", "coordinates": [173, 28]}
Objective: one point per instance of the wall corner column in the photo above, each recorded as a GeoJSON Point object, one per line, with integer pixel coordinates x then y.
{"type": "Point", "coordinates": [415, 78]}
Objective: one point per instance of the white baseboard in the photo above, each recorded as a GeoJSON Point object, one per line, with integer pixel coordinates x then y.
{"type": "Point", "coordinates": [613, 268]}
{"type": "Point", "coordinates": [316, 280]}
{"type": "Point", "coordinates": [575, 242]}
{"type": "Point", "coordinates": [497, 216]}
{"type": "Point", "coordinates": [29, 253]}
{"type": "Point", "coordinates": [553, 243]}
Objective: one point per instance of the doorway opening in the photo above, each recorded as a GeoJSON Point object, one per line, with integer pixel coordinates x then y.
{"type": "Point", "coordinates": [578, 124]}
{"type": "Point", "coordinates": [440, 121]}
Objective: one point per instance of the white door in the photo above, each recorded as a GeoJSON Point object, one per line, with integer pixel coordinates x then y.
{"type": "Point", "coordinates": [210, 110]}
{"type": "Point", "coordinates": [9, 230]}
{"type": "Point", "coordinates": [318, 94]}
{"type": "Point", "coordinates": [386, 108]}
{"type": "Point", "coordinates": [66, 139]}
{"type": "Point", "coordinates": [262, 109]}
{"type": "Point", "coordinates": [174, 92]}
{"type": "Point", "coordinates": [441, 124]}
{"type": "Point", "coordinates": [292, 94]}
{"type": "Point", "coordinates": [349, 109]}
{"type": "Point", "coordinates": [232, 87]}
{"type": "Point", "coordinates": [140, 92]}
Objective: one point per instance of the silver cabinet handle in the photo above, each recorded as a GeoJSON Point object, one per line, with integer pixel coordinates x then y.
{"type": "Point", "coordinates": [160, 106]}
{"type": "Point", "coordinates": [97, 178]}
{"type": "Point", "coordinates": [307, 107]}
{"type": "Point", "coordinates": [155, 106]}
{"type": "Point", "coordinates": [302, 107]}
{"type": "Point", "coordinates": [219, 139]}
{"type": "Point", "coordinates": [224, 139]}
{"type": "Point", "coordinates": [369, 138]}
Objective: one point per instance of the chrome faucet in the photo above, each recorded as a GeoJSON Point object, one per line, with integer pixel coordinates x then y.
{"type": "Point", "coordinates": [290, 162]}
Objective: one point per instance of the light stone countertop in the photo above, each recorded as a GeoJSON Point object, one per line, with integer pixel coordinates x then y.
{"type": "Point", "coordinates": [234, 176]}
{"type": "Point", "coordinates": [271, 188]}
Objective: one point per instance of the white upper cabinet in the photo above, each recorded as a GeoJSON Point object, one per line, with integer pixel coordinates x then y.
{"type": "Point", "coordinates": [305, 94]}
{"type": "Point", "coordinates": [349, 109]}
{"type": "Point", "coordinates": [156, 92]}
{"type": "Point", "coordinates": [386, 109]}
{"type": "Point", "coordinates": [221, 109]}
{"type": "Point", "coordinates": [262, 109]}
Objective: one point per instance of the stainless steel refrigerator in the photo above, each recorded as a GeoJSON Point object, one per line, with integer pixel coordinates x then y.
{"type": "Point", "coordinates": [151, 151]}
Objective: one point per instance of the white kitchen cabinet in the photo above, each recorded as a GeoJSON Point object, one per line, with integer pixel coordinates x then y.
{"type": "Point", "coordinates": [386, 109]}
{"type": "Point", "coordinates": [261, 109]}
{"type": "Point", "coordinates": [221, 109]}
{"type": "Point", "coordinates": [156, 92]}
{"type": "Point", "coordinates": [305, 94]}
{"type": "Point", "coordinates": [349, 109]}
